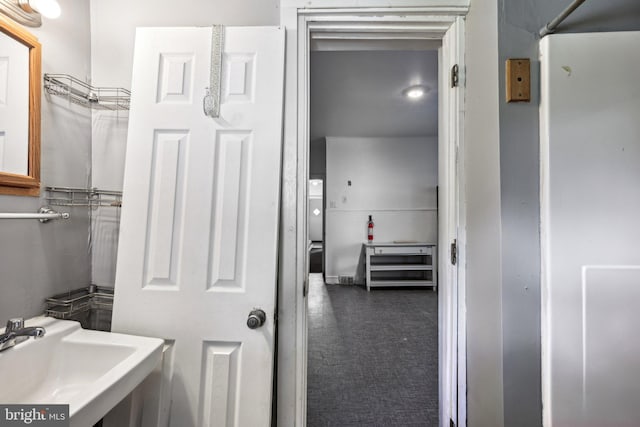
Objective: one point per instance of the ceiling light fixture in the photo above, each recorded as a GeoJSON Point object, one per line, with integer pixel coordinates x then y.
{"type": "Point", "coordinates": [30, 12]}
{"type": "Point", "coordinates": [416, 91]}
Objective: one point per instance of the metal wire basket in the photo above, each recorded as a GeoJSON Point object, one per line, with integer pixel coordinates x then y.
{"type": "Point", "coordinates": [91, 306]}
{"type": "Point", "coordinates": [78, 92]}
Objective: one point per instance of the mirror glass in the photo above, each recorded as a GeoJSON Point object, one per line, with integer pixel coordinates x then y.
{"type": "Point", "coordinates": [19, 111]}
{"type": "Point", "coordinates": [14, 106]}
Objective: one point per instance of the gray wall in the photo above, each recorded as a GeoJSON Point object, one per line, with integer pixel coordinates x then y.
{"type": "Point", "coordinates": [39, 260]}
{"type": "Point", "coordinates": [359, 93]}
{"type": "Point", "coordinates": [519, 22]}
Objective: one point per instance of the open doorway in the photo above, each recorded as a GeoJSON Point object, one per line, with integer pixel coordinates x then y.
{"type": "Point", "coordinates": [373, 158]}
{"type": "Point", "coordinates": [440, 26]}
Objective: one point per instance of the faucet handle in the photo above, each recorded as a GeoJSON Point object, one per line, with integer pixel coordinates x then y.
{"type": "Point", "coordinates": [14, 324]}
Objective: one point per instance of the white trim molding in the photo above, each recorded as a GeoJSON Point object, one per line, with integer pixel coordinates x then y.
{"type": "Point", "coordinates": [342, 20]}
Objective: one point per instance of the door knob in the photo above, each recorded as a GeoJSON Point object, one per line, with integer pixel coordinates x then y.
{"type": "Point", "coordinates": [256, 319]}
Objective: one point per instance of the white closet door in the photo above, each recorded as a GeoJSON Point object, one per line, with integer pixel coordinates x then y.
{"type": "Point", "coordinates": [590, 211]}
{"type": "Point", "coordinates": [199, 230]}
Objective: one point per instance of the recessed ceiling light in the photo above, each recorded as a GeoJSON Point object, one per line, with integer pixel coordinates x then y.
{"type": "Point", "coordinates": [416, 91]}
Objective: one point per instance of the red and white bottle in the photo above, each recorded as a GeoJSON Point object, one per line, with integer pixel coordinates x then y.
{"type": "Point", "coordinates": [370, 230]}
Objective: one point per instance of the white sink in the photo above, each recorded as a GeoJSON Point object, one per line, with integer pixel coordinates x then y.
{"type": "Point", "coordinates": [89, 370]}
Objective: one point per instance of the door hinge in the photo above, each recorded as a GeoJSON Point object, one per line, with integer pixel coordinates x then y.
{"type": "Point", "coordinates": [454, 251]}
{"type": "Point", "coordinates": [455, 76]}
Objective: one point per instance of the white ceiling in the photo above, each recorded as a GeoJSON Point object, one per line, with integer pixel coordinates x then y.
{"type": "Point", "coordinates": [359, 93]}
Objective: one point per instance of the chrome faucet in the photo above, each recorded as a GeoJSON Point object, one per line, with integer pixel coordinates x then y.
{"type": "Point", "coordinates": [15, 333]}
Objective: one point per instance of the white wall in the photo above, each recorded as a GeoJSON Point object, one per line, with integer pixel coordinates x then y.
{"type": "Point", "coordinates": [39, 260]}
{"type": "Point", "coordinates": [392, 179]}
{"type": "Point", "coordinates": [113, 24]}
{"type": "Point", "coordinates": [483, 251]}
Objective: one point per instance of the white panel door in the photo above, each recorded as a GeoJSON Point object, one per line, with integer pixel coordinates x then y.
{"type": "Point", "coordinates": [451, 338]}
{"type": "Point", "coordinates": [199, 230]}
{"type": "Point", "coordinates": [590, 210]}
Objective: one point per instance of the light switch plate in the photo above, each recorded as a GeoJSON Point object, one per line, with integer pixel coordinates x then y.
{"type": "Point", "coordinates": [518, 80]}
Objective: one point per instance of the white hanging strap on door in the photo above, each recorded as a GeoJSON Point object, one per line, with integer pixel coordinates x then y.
{"type": "Point", "coordinates": [211, 102]}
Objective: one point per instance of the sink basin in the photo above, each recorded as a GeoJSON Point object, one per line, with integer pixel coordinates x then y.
{"type": "Point", "coordinates": [89, 370]}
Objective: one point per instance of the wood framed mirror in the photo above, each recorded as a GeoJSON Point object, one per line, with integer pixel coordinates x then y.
{"type": "Point", "coordinates": [20, 94]}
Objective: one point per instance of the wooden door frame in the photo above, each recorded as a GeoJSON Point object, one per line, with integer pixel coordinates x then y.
{"type": "Point", "coordinates": [300, 19]}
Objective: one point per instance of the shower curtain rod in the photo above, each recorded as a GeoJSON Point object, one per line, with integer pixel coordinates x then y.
{"type": "Point", "coordinates": [44, 215]}
{"type": "Point", "coordinates": [551, 26]}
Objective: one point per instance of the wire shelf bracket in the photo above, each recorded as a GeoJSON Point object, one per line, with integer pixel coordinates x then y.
{"type": "Point", "coordinates": [78, 92]}
{"type": "Point", "coordinates": [91, 197]}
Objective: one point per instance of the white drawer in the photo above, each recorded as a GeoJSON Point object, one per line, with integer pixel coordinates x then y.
{"type": "Point", "coordinates": [402, 250]}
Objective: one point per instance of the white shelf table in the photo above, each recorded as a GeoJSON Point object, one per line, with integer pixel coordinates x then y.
{"type": "Point", "coordinates": [392, 264]}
